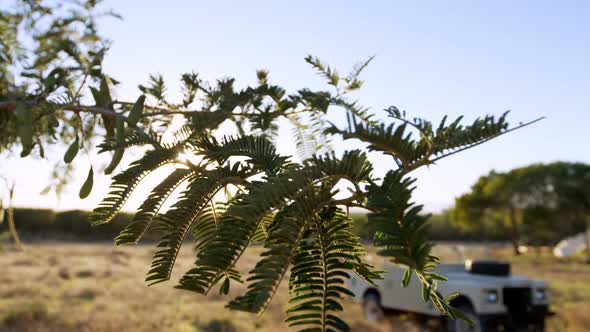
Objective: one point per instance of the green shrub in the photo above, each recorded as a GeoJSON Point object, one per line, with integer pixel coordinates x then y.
{"type": "Point", "coordinates": [24, 313]}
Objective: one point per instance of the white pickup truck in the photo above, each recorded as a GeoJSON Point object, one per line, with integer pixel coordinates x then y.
{"type": "Point", "coordinates": [488, 294]}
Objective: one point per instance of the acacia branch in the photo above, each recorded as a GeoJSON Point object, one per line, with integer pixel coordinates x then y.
{"type": "Point", "coordinates": [484, 140]}
{"type": "Point", "coordinates": [156, 109]}
{"type": "Point", "coordinates": [11, 106]}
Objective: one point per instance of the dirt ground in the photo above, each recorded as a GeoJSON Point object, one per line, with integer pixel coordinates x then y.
{"type": "Point", "coordinates": [99, 287]}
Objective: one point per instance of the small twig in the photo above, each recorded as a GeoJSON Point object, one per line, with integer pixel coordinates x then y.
{"type": "Point", "coordinates": [350, 201]}
{"type": "Point", "coordinates": [11, 106]}
{"type": "Point", "coordinates": [81, 86]}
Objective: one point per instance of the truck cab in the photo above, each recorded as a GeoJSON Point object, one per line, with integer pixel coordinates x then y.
{"type": "Point", "coordinates": [488, 294]}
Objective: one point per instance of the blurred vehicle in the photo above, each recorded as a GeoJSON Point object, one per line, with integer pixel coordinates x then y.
{"type": "Point", "coordinates": [488, 294]}
{"type": "Point", "coordinates": [572, 245]}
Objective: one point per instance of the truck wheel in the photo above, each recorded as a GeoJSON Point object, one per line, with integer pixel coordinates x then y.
{"type": "Point", "coordinates": [372, 308]}
{"type": "Point", "coordinates": [459, 325]}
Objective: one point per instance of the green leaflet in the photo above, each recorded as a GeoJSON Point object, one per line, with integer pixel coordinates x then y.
{"type": "Point", "coordinates": [72, 150]}
{"type": "Point", "coordinates": [224, 287]}
{"type": "Point", "coordinates": [41, 148]}
{"type": "Point", "coordinates": [24, 118]}
{"type": "Point", "coordinates": [407, 277]}
{"type": "Point", "coordinates": [96, 96]}
{"type": "Point", "coordinates": [102, 98]}
{"type": "Point", "coordinates": [52, 120]}
{"type": "Point", "coordinates": [102, 95]}
{"type": "Point", "coordinates": [87, 186]}
{"type": "Point", "coordinates": [105, 93]}
{"type": "Point", "coordinates": [118, 154]}
{"type": "Point", "coordinates": [45, 190]}
{"type": "Point", "coordinates": [136, 111]}
{"type": "Point", "coordinates": [426, 290]}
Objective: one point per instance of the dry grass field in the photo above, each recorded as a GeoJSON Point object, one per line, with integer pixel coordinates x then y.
{"type": "Point", "coordinates": [99, 287]}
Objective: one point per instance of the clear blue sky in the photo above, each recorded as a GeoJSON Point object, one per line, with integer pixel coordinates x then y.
{"type": "Point", "coordinates": [434, 58]}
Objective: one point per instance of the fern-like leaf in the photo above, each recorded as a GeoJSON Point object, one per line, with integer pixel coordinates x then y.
{"type": "Point", "coordinates": [261, 152]}
{"type": "Point", "coordinates": [319, 273]}
{"type": "Point", "coordinates": [179, 220]}
{"type": "Point", "coordinates": [206, 223]}
{"type": "Point", "coordinates": [285, 234]}
{"type": "Point", "coordinates": [456, 136]}
{"type": "Point", "coordinates": [287, 228]}
{"type": "Point", "coordinates": [134, 137]}
{"type": "Point", "coordinates": [125, 182]}
{"type": "Point", "coordinates": [331, 75]}
{"type": "Point", "coordinates": [305, 143]}
{"type": "Point", "coordinates": [262, 233]}
{"type": "Point", "coordinates": [409, 152]}
{"type": "Point", "coordinates": [244, 216]}
{"type": "Point", "coordinates": [142, 220]}
{"type": "Point", "coordinates": [390, 139]}
{"type": "Point", "coordinates": [237, 228]}
{"type": "Point", "coordinates": [402, 234]}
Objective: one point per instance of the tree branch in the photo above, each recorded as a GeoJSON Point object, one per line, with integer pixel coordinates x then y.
{"type": "Point", "coordinates": [11, 106]}
{"type": "Point", "coordinates": [485, 140]}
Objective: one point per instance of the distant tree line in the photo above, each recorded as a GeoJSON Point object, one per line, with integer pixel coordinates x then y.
{"type": "Point", "coordinates": [539, 204]}
{"type": "Point", "coordinates": [536, 205]}
{"type": "Point", "coordinates": [441, 227]}
{"type": "Point", "coordinates": [46, 224]}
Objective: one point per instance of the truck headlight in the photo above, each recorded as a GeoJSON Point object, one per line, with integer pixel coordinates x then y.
{"type": "Point", "coordinates": [492, 296]}
{"type": "Point", "coordinates": [540, 294]}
